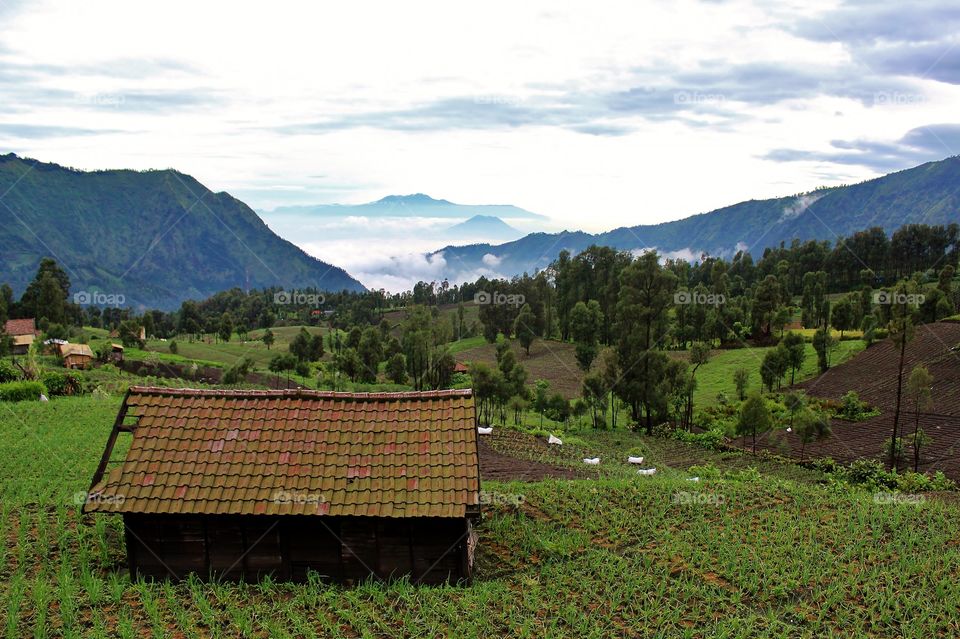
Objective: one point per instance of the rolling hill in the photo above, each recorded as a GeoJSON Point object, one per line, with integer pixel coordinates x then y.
{"type": "Point", "coordinates": [928, 194]}
{"type": "Point", "coordinates": [156, 237]}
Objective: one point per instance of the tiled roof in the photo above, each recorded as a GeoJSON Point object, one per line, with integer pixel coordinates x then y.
{"type": "Point", "coordinates": [296, 452]}
{"type": "Point", "coordinates": [20, 327]}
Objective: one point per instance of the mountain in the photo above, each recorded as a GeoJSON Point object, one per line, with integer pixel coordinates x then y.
{"type": "Point", "coordinates": [928, 194]}
{"type": "Point", "coordinates": [485, 226]}
{"type": "Point", "coordinates": [155, 237]}
{"type": "Point", "coordinates": [417, 205]}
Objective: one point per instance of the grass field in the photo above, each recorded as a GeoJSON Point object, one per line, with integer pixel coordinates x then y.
{"type": "Point", "coordinates": [619, 556]}
{"type": "Point", "coordinates": [556, 362]}
{"type": "Point", "coordinates": [229, 353]}
{"type": "Point", "coordinates": [716, 376]}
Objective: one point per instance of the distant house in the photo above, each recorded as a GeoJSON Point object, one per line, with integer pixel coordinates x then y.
{"type": "Point", "coordinates": [460, 367]}
{"type": "Point", "coordinates": [242, 484]}
{"type": "Point", "coordinates": [23, 332]}
{"type": "Point", "coordinates": [76, 355]}
{"type": "Point", "coordinates": [116, 353]}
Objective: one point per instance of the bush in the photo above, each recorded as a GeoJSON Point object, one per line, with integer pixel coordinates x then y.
{"type": "Point", "coordinates": [21, 391]}
{"type": "Point", "coordinates": [61, 383]}
{"type": "Point", "coordinates": [707, 471]}
{"type": "Point", "coordinates": [710, 439]}
{"type": "Point", "coordinates": [8, 372]}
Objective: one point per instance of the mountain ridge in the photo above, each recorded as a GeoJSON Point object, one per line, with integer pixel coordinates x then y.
{"type": "Point", "coordinates": [157, 237]}
{"type": "Point", "coordinates": [928, 193]}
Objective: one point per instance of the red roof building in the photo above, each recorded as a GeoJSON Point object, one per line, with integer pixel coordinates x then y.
{"type": "Point", "coordinates": [244, 483]}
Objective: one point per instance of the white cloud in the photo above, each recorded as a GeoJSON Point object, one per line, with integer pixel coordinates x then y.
{"type": "Point", "coordinates": [567, 110]}
{"type": "Point", "coordinates": [491, 260]}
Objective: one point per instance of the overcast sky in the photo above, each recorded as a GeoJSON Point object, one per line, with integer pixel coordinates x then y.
{"type": "Point", "coordinates": [595, 114]}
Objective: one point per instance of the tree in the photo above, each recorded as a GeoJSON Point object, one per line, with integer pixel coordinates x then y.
{"type": "Point", "coordinates": [811, 426]}
{"type": "Point", "coordinates": [370, 351]}
{"type": "Point", "coordinates": [300, 345]}
{"type": "Point", "coordinates": [594, 391]}
{"type": "Point", "coordinates": [268, 338]}
{"type": "Point", "coordinates": [741, 378]}
{"type": "Point", "coordinates": [397, 369]}
{"type": "Point", "coordinates": [774, 366]}
{"type": "Point", "coordinates": [172, 346]}
{"type": "Point", "coordinates": [46, 296]}
{"type": "Point", "coordinates": [586, 321]}
{"type": "Point", "coordinates": [699, 355]}
{"type": "Point", "coordinates": [796, 352]}
{"type": "Point", "coordinates": [225, 328]}
{"type": "Point", "coordinates": [794, 402]}
{"type": "Point", "coordinates": [238, 372]}
{"type": "Point", "coordinates": [282, 363]}
{"type": "Point", "coordinates": [130, 334]}
{"type": "Point", "coordinates": [523, 327]}
{"type": "Point", "coordinates": [900, 330]}
{"type": "Point", "coordinates": [919, 391]}
{"type": "Point", "coordinates": [823, 343]}
{"type": "Point", "coordinates": [754, 418]}
{"type": "Point", "coordinates": [608, 366]}
{"type": "Point", "coordinates": [843, 316]}
{"type": "Point", "coordinates": [646, 294]}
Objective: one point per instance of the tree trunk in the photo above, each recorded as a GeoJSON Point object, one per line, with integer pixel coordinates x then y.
{"type": "Point", "coordinates": [916, 448]}
{"type": "Point", "coordinates": [896, 411]}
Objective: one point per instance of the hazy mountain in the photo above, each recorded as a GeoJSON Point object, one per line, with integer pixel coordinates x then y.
{"type": "Point", "coordinates": [417, 205]}
{"type": "Point", "coordinates": [928, 194]}
{"type": "Point", "coordinates": [156, 237]}
{"type": "Point", "coordinates": [485, 226]}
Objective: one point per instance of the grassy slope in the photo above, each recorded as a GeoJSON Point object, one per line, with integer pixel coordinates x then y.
{"type": "Point", "coordinates": [591, 558]}
{"type": "Point", "coordinates": [556, 362]}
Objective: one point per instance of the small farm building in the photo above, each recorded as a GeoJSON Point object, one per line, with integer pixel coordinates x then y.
{"type": "Point", "coordinates": [241, 484]}
{"type": "Point", "coordinates": [23, 332]}
{"type": "Point", "coordinates": [76, 355]}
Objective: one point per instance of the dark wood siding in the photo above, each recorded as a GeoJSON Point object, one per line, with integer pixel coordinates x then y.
{"type": "Point", "coordinates": [346, 549]}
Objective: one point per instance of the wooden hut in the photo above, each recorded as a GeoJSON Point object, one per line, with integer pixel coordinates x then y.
{"type": "Point", "coordinates": [116, 353]}
{"type": "Point", "coordinates": [240, 484]}
{"type": "Point", "coordinates": [76, 355]}
{"type": "Point", "coordinates": [23, 332]}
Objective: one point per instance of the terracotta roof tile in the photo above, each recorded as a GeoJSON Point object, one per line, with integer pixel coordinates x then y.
{"type": "Point", "coordinates": [297, 452]}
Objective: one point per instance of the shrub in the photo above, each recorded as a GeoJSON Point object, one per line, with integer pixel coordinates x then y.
{"type": "Point", "coordinates": [21, 391]}
{"type": "Point", "coordinates": [8, 372]}
{"type": "Point", "coordinates": [61, 383]}
{"type": "Point", "coordinates": [710, 439]}
{"type": "Point", "coordinates": [706, 471]}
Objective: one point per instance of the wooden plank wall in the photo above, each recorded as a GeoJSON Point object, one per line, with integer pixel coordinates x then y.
{"type": "Point", "coordinates": [345, 550]}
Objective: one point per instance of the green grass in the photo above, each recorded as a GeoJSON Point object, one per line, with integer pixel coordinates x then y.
{"type": "Point", "coordinates": [716, 376]}
{"type": "Point", "coordinates": [618, 556]}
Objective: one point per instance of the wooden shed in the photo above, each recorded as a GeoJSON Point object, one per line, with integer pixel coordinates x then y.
{"type": "Point", "coordinates": [76, 355]}
{"type": "Point", "coordinates": [23, 332]}
{"type": "Point", "coordinates": [241, 484]}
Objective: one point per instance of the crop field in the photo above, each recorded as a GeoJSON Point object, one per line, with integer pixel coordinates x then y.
{"type": "Point", "coordinates": [771, 554]}
{"type": "Point", "coordinates": [873, 375]}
